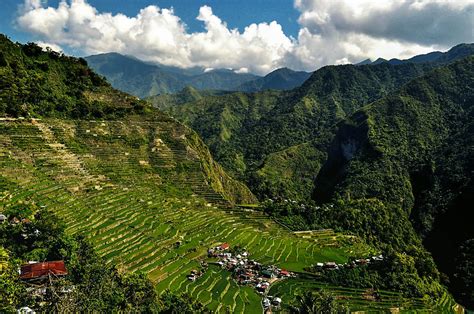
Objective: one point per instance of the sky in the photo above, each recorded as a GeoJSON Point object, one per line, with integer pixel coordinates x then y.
{"type": "Point", "coordinates": [254, 36]}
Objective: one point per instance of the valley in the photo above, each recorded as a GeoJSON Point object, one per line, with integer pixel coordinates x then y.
{"type": "Point", "coordinates": [141, 213]}
{"type": "Point", "coordinates": [348, 189]}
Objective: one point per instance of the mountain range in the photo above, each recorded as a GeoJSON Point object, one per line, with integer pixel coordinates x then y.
{"type": "Point", "coordinates": [144, 79]}
{"type": "Point", "coordinates": [439, 57]}
{"type": "Point", "coordinates": [233, 124]}
{"type": "Point", "coordinates": [364, 168]}
{"type": "Point", "coordinates": [311, 143]}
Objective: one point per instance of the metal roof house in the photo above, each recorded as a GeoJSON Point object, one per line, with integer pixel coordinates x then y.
{"type": "Point", "coordinates": [38, 271]}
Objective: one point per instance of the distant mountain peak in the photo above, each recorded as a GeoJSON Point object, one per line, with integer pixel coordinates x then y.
{"type": "Point", "coordinates": [457, 52]}
{"type": "Point", "coordinates": [279, 79]}
{"type": "Point", "coordinates": [364, 62]}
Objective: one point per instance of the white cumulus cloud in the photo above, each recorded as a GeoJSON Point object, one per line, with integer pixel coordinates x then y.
{"type": "Point", "coordinates": [157, 34]}
{"type": "Point", "coordinates": [331, 32]}
{"type": "Point", "coordinates": [353, 30]}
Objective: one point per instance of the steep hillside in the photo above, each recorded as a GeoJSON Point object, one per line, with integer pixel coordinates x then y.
{"type": "Point", "coordinates": [280, 79]}
{"type": "Point", "coordinates": [290, 118]}
{"type": "Point", "coordinates": [145, 79]}
{"type": "Point", "coordinates": [220, 120]}
{"type": "Point", "coordinates": [142, 187]}
{"type": "Point", "coordinates": [414, 149]}
{"type": "Point", "coordinates": [242, 139]}
{"type": "Point", "coordinates": [45, 84]}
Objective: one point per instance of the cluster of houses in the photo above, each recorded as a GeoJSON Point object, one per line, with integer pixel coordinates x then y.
{"type": "Point", "coordinates": [351, 264]}
{"type": "Point", "coordinates": [247, 271]}
{"type": "Point", "coordinates": [270, 302]}
{"type": "Point", "coordinates": [13, 220]}
{"type": "Point", "coordinates": [16, 221]}
{"type": "Point", "coordinates": [195, 274]}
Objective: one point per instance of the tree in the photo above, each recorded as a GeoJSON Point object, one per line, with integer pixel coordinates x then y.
{"type": "Point", "coordinates": [318, 302]}
{"type": "Point", "coordinates": [172, 303]}
{"type": "Point", "coordinates": [3, 259]}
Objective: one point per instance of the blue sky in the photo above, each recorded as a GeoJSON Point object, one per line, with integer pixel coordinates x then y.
{"type": "Point", "coordinates": [255, 36]}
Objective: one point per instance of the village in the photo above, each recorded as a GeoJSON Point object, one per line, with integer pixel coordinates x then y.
{"type": "Point", "coordinates": [236, 260]}
{"type": "Point", "coordinates": [351, 264]}
{"type": "Point", "coordinates": [246, 271]}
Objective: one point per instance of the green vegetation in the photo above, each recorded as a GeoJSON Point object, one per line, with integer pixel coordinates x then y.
{"type": "Point", "coordinates": [37, 83]}
{"type": "Point", "coordinates": [150, 217]}
{"type": "Point", "coordinates": [69, 89]}
{"type": "Point", "coordinates": [357, 299]}
{"type": "Point", "coordinates": [90, 284]}
{"type": "Point", "coordinates": [394, 170]}
{"type": "Point", "coordinates": [150, 198]}
{"type": "Point", "coordinates": [221, 120]}
{"type": "Point", "coordinates": [251, 134]}
{"type": "Point", "coordinates": [318, 302]}
{"type": "Point", "coordinates": [413, 152]}
{"type": "Point", "coordinates": [187, 94]}
{"type": "Point", "coordinates": [397, 175]}
{"type": "Point", "coordinates": [246, 131]}
{"type": "Point", "coordinates": [289, 173]}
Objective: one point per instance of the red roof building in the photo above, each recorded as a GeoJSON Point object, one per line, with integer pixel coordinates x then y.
{"type": "Point", "coordinates": [40, 270]}
{"type": "Point", "coordinates": [224, 246]}
{"type": "Point", "coordinates": [284, 272]}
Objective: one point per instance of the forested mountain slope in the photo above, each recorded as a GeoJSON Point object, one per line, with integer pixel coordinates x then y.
{"type": "Point", "coordinates": [415, 149]}
{"type": "Point", "coordinates": [245, 131]}
{"type": "Point", "coordinates": [259, 148]}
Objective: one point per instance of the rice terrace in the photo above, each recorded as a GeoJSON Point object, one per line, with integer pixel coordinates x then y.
{"type": "Point", "coordinates": [91, 174]}
{"type": "Point", "coordinates": [205, 156]}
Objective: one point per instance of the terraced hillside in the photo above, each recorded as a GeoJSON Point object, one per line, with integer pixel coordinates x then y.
{"type": "Point", "coordinates": [140, 192]}
{"type": "Point", "coordinates": [365, 300]}
{"type": "Point", "coordinates": [141, 186]}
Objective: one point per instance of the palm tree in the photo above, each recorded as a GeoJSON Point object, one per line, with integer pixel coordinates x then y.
{"type": "Point", "coordinates": [3, 259]}
{"type": "Point", "coordinates": [319, 302]}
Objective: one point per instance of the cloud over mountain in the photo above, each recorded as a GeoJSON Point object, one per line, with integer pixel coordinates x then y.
{"type": "Point", "coordinates": [331, 31]}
